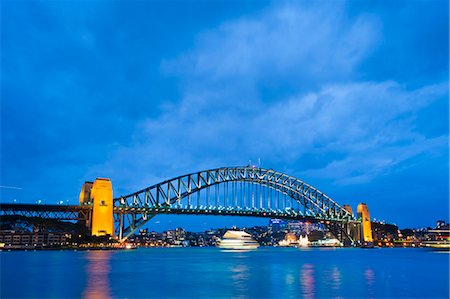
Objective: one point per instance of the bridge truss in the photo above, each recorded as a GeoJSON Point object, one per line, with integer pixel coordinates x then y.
{"type": "Point", "coordinates": [233, 191]}
{"type": "Point", "coordinates": [59, 212]}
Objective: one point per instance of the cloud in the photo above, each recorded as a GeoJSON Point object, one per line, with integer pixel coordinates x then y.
{"type": "Point", "coordinates": [363, 129]}
{"type": "Point", "coordinates": [349, 131]}
{"type": "Point", "coordinates": [290, 42]}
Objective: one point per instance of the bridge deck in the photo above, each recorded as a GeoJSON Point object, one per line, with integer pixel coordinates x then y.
{"type": "Point", "coordinates": [42, 207]}
{"type": "Point", "coordinates": [61, 212]}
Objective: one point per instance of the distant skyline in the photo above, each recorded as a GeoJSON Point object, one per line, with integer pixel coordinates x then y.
{"type": "Point", "coordinates": [349, 96]}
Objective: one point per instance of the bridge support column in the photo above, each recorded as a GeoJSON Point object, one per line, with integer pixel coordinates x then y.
{"type": "Point", "coordinates": [121, 224]}
{"type": "Point", "coordinates": [102, 212]}
{"type": "Point", "coordinates": [340, 230]}
{"type": "Point", "coordinates": [85, 199]}
{"type": "Point", "coordinates": [100, 196]}
{"type": "Point", "coordinates": [366, 228]}
{"type": "Point", "coordinates": [352, 227]}
{"type": "Point", "coordinates": [354, 231]}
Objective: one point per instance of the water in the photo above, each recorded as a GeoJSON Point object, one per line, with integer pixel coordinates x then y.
{"type": "Point", "coordinates": [212, 273]}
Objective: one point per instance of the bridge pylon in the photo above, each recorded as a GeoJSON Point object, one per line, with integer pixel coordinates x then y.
{"type": "Point", "coordinates": [99, 195]}
{"type": "Point", "coordinates": [365, 226]}
{"type": "Point", "coordinates": [352, 228]}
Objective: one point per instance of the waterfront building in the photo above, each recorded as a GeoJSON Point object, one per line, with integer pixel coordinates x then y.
{"type": "Point", "coordinates": [290, 239]}
{"type": "Point", "coordinates": [23, 239]}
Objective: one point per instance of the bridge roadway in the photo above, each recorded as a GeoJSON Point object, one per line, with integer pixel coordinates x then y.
{"type": "Point", "coordinates": [61, 212]}
{"type": "Point", "coordinates": [81, 212]}
{"type": "Point", "coordinates": [221, 211]}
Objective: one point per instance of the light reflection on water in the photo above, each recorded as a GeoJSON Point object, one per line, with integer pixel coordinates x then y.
{"type": "Point", "coordinates": [369, 275]}
{"type": "Point", "coordinates": [307, 280]}
{"type": "Point", "coordinates": [239, 278]}
{"type": "Point", "coordinates": [209, 272]}
{"type": "Point", "coordinates": [98, 268]}
{"type": "Point", "coordinates": [239, 274]}
{"type": "Point", "coordinates": [335, 278]}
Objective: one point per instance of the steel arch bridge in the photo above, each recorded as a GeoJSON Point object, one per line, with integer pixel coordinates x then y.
{"type": "Point", "coordinates": [232, 191]}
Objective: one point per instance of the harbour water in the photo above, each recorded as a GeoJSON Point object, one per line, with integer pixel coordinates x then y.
{"type": "Point", "coordinates": [213, 273]}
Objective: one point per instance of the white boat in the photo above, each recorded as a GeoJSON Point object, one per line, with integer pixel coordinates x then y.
{"type": "Point", "coordinates": [326, 243]}
{"type": "Point", "coordinates": [437, 245]}
{"type": "Point", "coordinates": [440, 239]}
{"type": "Point", "coordinates": [237, 240]}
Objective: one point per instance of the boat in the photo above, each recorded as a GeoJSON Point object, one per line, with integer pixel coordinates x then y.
{"type": "Point", "coordinates": [326, 243]}
{"type": "Point", "coordinates": [439, 240]}
{"type": "Point", "coordinates": [442, 246]}
{"type": "Point", "coordinates": [237, 240]}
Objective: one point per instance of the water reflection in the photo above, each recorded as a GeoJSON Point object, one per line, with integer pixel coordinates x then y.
{"type": "Point", "coordinates": [97, 274]}
{"type": "Point", "coordinates": [370, 279]}
{"type": "Point", "coordinates": [335, 278]}
{"type": "Point", "coordinates": [370, 276]}
{"type": "Point", "coordinates": [289, 279]}
{"type": "Point", "coordinates": [239, 275]}
{"type": "Point", "coordinates": [307, 280]}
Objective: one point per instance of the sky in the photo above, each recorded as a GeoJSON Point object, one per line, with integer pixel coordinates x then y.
{"type": "Point", "coordinates": [348, 96]}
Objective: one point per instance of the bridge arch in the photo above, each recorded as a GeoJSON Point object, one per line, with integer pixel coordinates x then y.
{"type": "Point", "coordinates": [174, 196]}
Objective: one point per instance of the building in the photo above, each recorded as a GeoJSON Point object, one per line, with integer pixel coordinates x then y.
{"type": "Point", "coordinates": [23, 239]}
{"type": "Point", "coordinates": [276, 225]}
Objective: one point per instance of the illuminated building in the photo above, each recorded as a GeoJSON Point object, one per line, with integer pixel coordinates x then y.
{"type": "Point", "coordinates": [276, 225]}
{"type": "Point", "coordinates": [295, 226]}
{"type": "Point", "coordinates": [291, 238]}
{"type": "Point", "coordinates": [366, 228]}
{"type": "Point", "coordinates": [24, 239]}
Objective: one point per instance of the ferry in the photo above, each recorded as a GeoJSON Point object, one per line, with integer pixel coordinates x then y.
{"type": "Point", "coordinates": [327, 243]}
{"type": "Point", "coordinates": [440, 240]}
{"type": "Point", "coordinates": [237, 240]}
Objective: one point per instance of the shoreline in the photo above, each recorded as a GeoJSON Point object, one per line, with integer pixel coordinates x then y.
{"type": "Point", "coordinates": [127, 247]}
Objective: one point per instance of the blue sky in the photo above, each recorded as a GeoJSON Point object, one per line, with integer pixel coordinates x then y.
{"type": "Point", "coordinates": [349, 96]}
